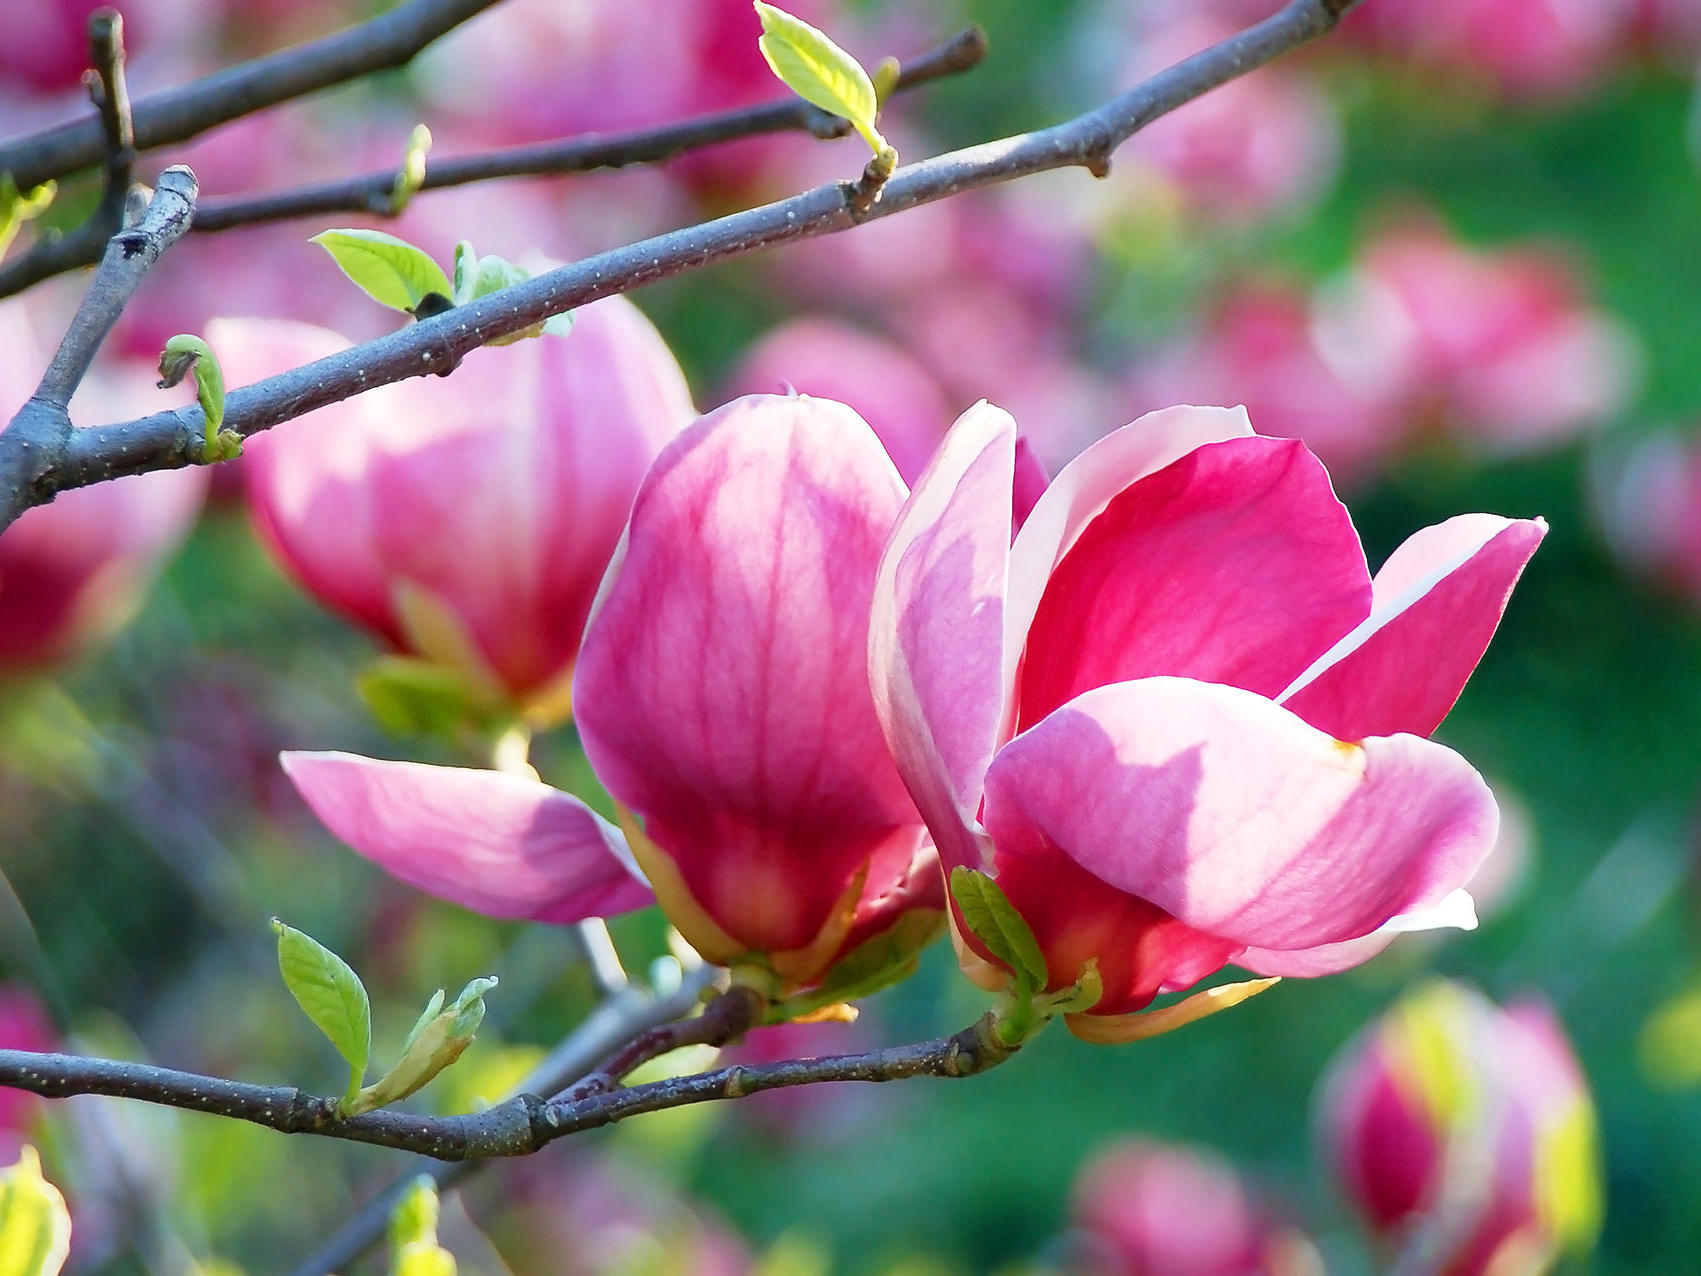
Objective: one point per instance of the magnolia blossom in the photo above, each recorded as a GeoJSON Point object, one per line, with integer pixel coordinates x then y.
{"type": "Point", "coordinates": [1648, 499]}
{"type": "Point", "coordinates": [74, 570]}
{"type": "Point", "coordinates": [467, 521]}
{"type": "Point", "coordinates": [722, 696]}
{"type": "Point", "coordinates": [1464, 1135]}
{"type": "Point", "coordinates": [1177, 720]}
{"type": "Point", "coordinates": [1147, 1209]}
{"type": "Point", "coordinates": [1501, 345]}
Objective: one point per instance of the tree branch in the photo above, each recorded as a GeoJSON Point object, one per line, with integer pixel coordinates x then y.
{"type": "Point", "coordinates": [41, 429]}
{"type": "Point", "coordinates": [389, 40]}
{"type": "Point", "coordinates": [518, 1127]}
{"type": "Point", "coordinates": [54, 253]}
{"type": "Point", "coordinates": [170, 439]}
{"type": "Point", "coordinates": [624, 1017]}
{"type": "Point", "coordinates": [370, 192]}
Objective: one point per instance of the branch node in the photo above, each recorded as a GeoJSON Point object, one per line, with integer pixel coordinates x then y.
{"type": "Point", "coordinates": [1097, 163]}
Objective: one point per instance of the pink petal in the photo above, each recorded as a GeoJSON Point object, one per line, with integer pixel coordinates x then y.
{"type": "Point", "coordinates": [1085, 486]}
{"type": "Point", "coordinates": [307, 487]}
{"type": "Point", "coordinates": [934, 638]}
{"type": "Point", "coordinates": [497, 844]}
{"type": "Point", "coordinates": [1234, 564]}
{"type": "Point", "coordinates": [722, 690]}
{"type": "Point", "coordinates": [1438, 599]}
{"type": "Point", "coordinates": [1237, 818]}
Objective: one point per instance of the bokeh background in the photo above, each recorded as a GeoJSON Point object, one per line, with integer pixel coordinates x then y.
{"type": "Point", "coordinates": [1454, 247]}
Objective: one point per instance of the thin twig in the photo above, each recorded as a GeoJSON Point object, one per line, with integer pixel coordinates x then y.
{"type": "Point", "coordinates": [515, 1128]}
{"type": "Point", "coordinates": [370, 193]}
{"type": "Point", "coordinates": [626, 1015]}
{"type": "Point", "coordinates": [170, 439]}
{"type": "Point", "coordinates": [53, 253]}
{"type": "Point", "coordinates": [389, 40]}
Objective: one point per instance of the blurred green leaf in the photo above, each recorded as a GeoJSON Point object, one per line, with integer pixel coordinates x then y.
{"type": "Point", "coordinates": [408, 696]}
{"type": "Point", "coordinates": [331, 995]}
{"type": "Point", "coordinates": [414, 1250]}
{"type": "Point", "coordinates": [391, 271]}
{"type": "Point", "coordinates": [35, 1226]}
{"type": "Point", "coordinates": [18, 207]}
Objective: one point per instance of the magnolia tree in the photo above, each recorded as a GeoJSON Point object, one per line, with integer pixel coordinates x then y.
{"type": "Point", "coordinates": [928, 647]}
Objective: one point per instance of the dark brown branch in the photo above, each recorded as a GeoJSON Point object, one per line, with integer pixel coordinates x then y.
{"type": "Point", "coordinates": [370, 193]}
{"type": "Point", "coordinates": [389, 40]}
{"type": "Point", "coordinates": [170, 439]}
{"type": "Point", "coordinates": [625, 1016]}
{"type": "Point", "coordinates": [518, 1127]}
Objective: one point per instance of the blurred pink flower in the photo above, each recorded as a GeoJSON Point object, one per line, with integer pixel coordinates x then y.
{"type": "Point", "coordinates": [776, 832]}
{"type": "Point", "coordinates": [1150, 1209]}
{"type": "Point", "coordinates": [1502, 344]}
{"type": "Point", "coordinates": [74, 570]}
{"type": "Point", "coordinates": [1520, 48]}
{"type": "Point", "coordinates": [1260, 346]}
{"type": "Point", "coordinates": [469, 520]}
{"type": "Point", "coordinates": [1186, 628]}
{"type": "Point", "coordinates": [1464, 1135]}
{"type": "Point", "coordinates": [1648, 499]}
{"type": "Point", "coordinates": [1263, 144]}
{"type": "Point", "coordinates": [24, 1025]}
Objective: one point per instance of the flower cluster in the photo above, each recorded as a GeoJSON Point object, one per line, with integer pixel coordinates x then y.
{"type": "Point", "coordinates": [1170, 716]}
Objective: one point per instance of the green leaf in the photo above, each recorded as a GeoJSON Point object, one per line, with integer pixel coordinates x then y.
{"type": "Point", "coordinates": [819, 71]}
{"type": "Point", "coordinates": [988, 912]}
{"type": "Point", "coordinates": [18, 207]}
{"type": "Point", "coordinates": [331, 995]}
{"type": "Point", "coordinates": [391, 271]}
{"type": "Point", "coordinates": [35, 1226]}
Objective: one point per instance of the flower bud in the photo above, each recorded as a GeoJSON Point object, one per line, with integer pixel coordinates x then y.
{"type": "Point", "coordinates": [467, 521]}
{"type": "Point", "coordinates": [1464, 1135]}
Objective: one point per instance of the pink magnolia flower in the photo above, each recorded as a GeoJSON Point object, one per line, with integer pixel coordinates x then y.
{"type": "Point", "coordinates": [1520, 48]}
{"type": "Point", "coordinates": [1501, 345]}
{"type": "Point", "coordinates": [1177, 720]}
{"type": "Point", "coordinates": [1464, 1136]}
{"type": "Point", "coordinates": [73, 571]}
{"type": "Point", "coordinates": [467, 521]}
{"type": "Point", "coordinates": [1147, 1209]}
{"type": "Point", "coordinates": [722, 697]}
{"type": "Point", "coordinates": [1648, 499]}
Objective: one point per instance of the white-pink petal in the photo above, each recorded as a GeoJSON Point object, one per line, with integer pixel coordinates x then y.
{"type": "Point", "coordinates": [499, 844]}
{"type": "Point", "coordinates": [934, 643]}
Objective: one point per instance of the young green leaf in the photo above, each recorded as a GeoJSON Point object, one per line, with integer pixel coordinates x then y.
{"type": "Point", "coordinates": [391, 271]}
{"type": "Point", "coordinates": [411, 176]}
{"type": "Point", "coordinates": [819, 71]}
{"type": "Point", "coordinates": [186, 352]}
{"type": "Point", "coordinates": [35, 1226]}
{"type": "Point", "coordinates": [988, 912]}
{"type": "Point", "coordinates": [18, 207]}
{"type": "Point", "coordinates": [439, 1037]}
{"type": "Point", "coordinates": [331, 995]}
